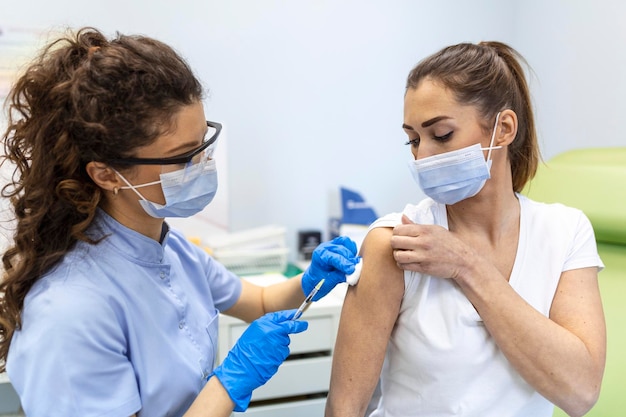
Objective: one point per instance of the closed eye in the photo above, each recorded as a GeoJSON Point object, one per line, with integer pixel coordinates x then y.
{"type": "Point", "coordinates": [444, 137]}
{"type": "Point", "coordinates": [413, 142]}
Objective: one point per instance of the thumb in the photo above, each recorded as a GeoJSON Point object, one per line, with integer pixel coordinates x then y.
{"type": "Point", "coordinates": [283, 318]}
{"type": "Point", "coordinates": [406, 220]}
{"type": "Point", "coordinates": [296, 326]}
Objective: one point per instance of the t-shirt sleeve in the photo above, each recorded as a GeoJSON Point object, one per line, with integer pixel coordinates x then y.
{"type": "Point", "coordinates": [71, 358]}
{"type": "Point", "coordinates": [583, 252]}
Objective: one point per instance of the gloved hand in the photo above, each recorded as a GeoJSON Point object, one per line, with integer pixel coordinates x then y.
{"type": "Point", "coordinates": [330, 261]}
{"type": "Point", "coordinates": [256, 356]}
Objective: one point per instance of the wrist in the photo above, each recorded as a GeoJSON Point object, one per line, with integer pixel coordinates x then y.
{"type": "Point", "coordinates": [307, 282]}
{"type": "Point", "coordinates": [232, 385]}
{"type": "Point", "coordinates": [218, 392]}
{"type": "Point", "coordinates": [212, 401]}
{"type": "Point", "coordinates": [473, 273]}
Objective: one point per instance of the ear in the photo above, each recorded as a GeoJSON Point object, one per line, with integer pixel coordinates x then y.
{"type": "Point", "coordinates": [104, 176]}
{"type": "Point", "coordinates": [506, 130]}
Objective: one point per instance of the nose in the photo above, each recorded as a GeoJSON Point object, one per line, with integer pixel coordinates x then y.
{"type": "Point", "coordinates": [422, 151]}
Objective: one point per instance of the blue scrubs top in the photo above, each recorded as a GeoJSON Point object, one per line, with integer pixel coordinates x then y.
{"type": "Point", "coordinates": [126, 326]}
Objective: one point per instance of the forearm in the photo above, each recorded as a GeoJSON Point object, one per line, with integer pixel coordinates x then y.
{"type": "Point", "coordinates": [256, 301]}
{"type": "Point", "coordinates": [555, 360]}
{"type": "Point", "coordinates": [213, 401]}
{"type": "Point", "coordinates": [284, 295]}
{"type": "Point", "coordinates": [331, 262]}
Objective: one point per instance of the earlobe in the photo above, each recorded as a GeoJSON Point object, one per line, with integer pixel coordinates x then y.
{"type": "Point", "coordinates": [507, 128]}
{"type": "Point", "coordinates": [103, 175]}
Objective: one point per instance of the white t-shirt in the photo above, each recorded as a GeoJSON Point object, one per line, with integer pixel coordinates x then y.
{"type": "Point", "coordinates": [441, 360]}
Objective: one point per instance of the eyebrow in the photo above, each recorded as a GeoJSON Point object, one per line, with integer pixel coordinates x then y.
{"type": "Point", "coordinates": [427, 123]}
{"type": "Point", "coordinates": [435, 120]}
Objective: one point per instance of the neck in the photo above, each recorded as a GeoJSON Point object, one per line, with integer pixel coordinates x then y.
{"type": "Point", "coordinates": [140, 222]}
{"type": "Point", "coordinates": [491, 213]}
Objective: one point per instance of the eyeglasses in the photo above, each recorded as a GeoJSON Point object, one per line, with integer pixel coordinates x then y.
{"type": "Point", "coordinates": [205, 151]}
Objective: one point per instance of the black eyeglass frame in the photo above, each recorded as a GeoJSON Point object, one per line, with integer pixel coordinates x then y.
{"type": "Point", "coordinates": [180, 159]}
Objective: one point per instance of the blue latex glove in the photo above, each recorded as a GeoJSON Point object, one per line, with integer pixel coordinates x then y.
{"type": "Point", "coordinates": [330, 261]}
{"type": "Point", "coordinates": [256, 356]}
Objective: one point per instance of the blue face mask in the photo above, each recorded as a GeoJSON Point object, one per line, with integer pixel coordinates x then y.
{"type": "Point", "coordinates": [187, 191]}
{"type": "Point", "coordinates": [453, 176]}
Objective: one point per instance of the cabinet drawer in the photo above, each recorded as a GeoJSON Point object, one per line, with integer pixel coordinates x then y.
{"type": "Point", "coordinates": [320, 336]}
{"type": "Point", "coordinates": [304, 408]}
{"type": "Point", "coordinates": [297, 377]}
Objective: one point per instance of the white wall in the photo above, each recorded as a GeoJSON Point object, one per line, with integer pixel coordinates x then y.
{"type": "Point", "coordinates": [578, 50]}
{"type": "Point", "coordinates": [311, 90]}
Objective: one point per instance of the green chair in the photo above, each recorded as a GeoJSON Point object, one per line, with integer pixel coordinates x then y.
{"type": "Point", "coordinates": [594, 180]}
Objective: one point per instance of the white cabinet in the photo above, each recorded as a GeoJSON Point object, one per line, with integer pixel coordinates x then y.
{"type": "Point", "coordinates": [300, 386]}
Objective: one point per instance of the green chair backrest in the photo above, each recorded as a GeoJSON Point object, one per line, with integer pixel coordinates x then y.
{"type": "Point", "coordinates": [593, 180]}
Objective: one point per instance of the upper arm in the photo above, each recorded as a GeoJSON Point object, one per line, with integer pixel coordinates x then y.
{"type": "Point", "coordinates": [577, 307]}
{"type": "Point", "coordinates": [368, 315]}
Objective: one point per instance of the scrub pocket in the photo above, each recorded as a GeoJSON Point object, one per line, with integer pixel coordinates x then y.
{"type": "Point", "coordinates": [212, 329]}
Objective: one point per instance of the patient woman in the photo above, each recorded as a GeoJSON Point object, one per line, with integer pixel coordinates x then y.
{"type": "Point", "coordinates": [477, 301]}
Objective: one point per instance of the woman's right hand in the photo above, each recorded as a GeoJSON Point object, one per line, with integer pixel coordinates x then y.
{"type": "Point", "coordinates": [430, 249]}
{"type": "Point", "coordinates": [256, 356]}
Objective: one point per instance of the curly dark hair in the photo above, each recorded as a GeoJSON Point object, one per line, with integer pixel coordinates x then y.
{"type": "Point", "coordinates": [84, 98]}
{"type": "Point", "coordinates": [490, 76]}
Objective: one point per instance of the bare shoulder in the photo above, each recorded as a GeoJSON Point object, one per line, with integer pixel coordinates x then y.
{"type": "Point", "coordinates": [377, 242]}
{"type": "Point", "coordinates": [379, 266]}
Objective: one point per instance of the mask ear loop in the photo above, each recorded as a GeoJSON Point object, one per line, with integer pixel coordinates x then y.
{"type": "Point", "coordinates": [493, 136]}
{"type": "Point", "coordinates": [133, 187]}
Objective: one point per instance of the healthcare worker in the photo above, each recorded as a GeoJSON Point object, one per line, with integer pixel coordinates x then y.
{"type": "Point", "coordinates": [487, 303]}
{"type": "Point", "coordinates": [105, 310]}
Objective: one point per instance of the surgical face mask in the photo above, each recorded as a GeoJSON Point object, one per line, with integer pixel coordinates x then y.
{"type": "Point", "coordinates": [453, 176]}
{"type": "Point", "coordinates": [187, 191]}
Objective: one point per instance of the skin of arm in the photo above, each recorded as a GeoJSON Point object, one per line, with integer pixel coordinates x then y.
{"type": "Point", "coordinates": [331, 260]}
{"type": "Point", "coordinates": [368, 315]}
{"type": "Point", "coordinates": [213, 401]}
{"type": "Point", "coordinates": [562, 356]}
{"type": "Point", "coordinates": [256, 301]}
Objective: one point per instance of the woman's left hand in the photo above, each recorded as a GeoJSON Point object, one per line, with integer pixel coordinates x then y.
{"type": "Point", "coordinates": [331, 261]}
{"type": "Point", "coordinates": [256, 356]}
{"type": "Point", "coordinates": [429, 249]}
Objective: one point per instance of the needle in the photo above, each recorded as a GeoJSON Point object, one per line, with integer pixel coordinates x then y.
{"type": "Point", "coordinates": [307, 301]}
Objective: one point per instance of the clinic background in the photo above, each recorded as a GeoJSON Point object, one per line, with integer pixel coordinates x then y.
{"type": "Point", "coordinates": [311, 91]}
